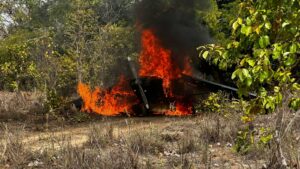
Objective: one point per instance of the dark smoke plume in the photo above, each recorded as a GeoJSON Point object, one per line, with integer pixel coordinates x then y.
{"type": "Point", "coordinates": [175, 23]}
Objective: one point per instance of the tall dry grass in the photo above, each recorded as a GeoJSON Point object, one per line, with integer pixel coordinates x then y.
{"type": "Point", "coordinates": [17, 105]}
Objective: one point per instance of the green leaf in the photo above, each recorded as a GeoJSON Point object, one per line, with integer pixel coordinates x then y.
{"type": "Point", "coordinates": [276, 55]}
{"type": "Point", "coordinates": [225, 55]}
{"type": "Point", "coordinates": [295, 103]}
{"type": "Point", "coordinates": [235, 73]}
{"type": "Point", "coordinates": [242, 63]}
{"type": "Point", "coordinates": [286, 54]}
{"type": "Point", "coordinates": [263, 92]}
{"type": "Point", "coordinates": [279, 97]}
{"type": "Point", "coordinates": [246, 73]}
{"type": "Point", "coordinates": [293, 48]}
{"type": "Point", "coordinates": [296, 86]}
{"type": "Point", "coordinates": [248, 21]}
{"type": "Point", "coordinates": [215, 61]}
{"type": "Point", "coordinates": [223, 65]}
{"type": "Point", "coordinates": [266, 61]}
{"type": "Point", "coordinates": [276, 89]}
{"type": "Point", "coordinates": [268, 25]}
{"type": "Point", "coordinates": [247, 30]}
{"type": "Point", "coordinates": [235, 25]}
{"type": "Point", "coordinates": [277, 51]}
{"type": "Point", "coordinates": [263, 76]}
{"type": "Point", "coordinates": [248, 82]}
{"type": "Point", "coordinates": [240, 21]}
{"type": "Point", "coordinates": [266, 139]}
{"type": "Point", "coordinates": [264, 41]}
{"type": "Point", "coordinates": [286, 23]}
{"type": "Point", "coordinates": [236, 44]}
{"type": "Point", "coordinates": [256, 69]}
{"type": "Point", "coordinates": [205, 54]}
{"type": "Point", "coordinates": [290, 61]}
{"type": "Point", "coordinates": [251, 62]}
{"type": "Point", "coordinates": [243, 30]}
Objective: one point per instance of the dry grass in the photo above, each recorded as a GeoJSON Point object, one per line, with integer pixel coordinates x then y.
{"type": "Point", "coordinates": [17, 105]}
{"type": "Point", "coordinates": [188, 143]}
{"type": "Point", "coordinates": [100, 137]}
{"type": "Point", "coordinates": [148, 141]}
{"type": "Point", "coordinates": [196, 142]}
{"type": "Point", "coordinates": [14, 154]}
{"type": "Point", "coordinates": [11, 148]}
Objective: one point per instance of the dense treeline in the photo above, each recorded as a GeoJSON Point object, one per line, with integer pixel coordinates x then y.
{"type": "Point", "coordinates": [54, 44]}
{"type": "Point", "coordinates": [51, 45]}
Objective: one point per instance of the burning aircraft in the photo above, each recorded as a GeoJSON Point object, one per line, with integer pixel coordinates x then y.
{"type": "Point", "coordinates": [164, 83]}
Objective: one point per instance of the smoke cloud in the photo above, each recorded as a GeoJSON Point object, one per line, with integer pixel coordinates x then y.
{"type": "Point", "coordinates": [175, 23]}
{"type": "Point", "coordinates": [177, 26]}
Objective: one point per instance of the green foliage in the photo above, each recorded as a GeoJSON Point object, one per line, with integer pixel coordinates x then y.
{"type": "Point", "coordinates": [96, 48]}
{"type": "Point", "coordinates": [211, 19]}
{"type": "Point", "coordinates": [265, 136]}
{"type": "Point", "coordinates": [220, 103]}
{"type": "Point", "coordinates": [51, 45]}
{"type": "Point", "coordinates": [53, 100]}
{"type": "Point", "coordinates": [248, 140]}
{"type": "Point", "coordinates": [114, 43]}
{"type": "Point", "coordinates": [295, 103]}
{"type": "Point", "coordinates": [17, 69]}
{"type": "Point", "coordinates": [244, 141]}
{"type": "Point", "coordinates": [212, 103]}
{"type": "Point", "coordinates": [263, 49]}
{"type": "Point", "coordinates": [218, 20]}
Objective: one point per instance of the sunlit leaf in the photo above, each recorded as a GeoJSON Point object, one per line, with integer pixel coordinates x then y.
{"type": "Point", "coordinates": [251, 62]}
{"type": "Point", "coordinates": [257, 30]}
{"type": "Point", "coordinates": [246, 73]}
{"type": "Point", "coordinates": [268, 25]}
{"type": "Point", "coordinates": [293, 48]}
{"type": "Point", "coordinates": [290, 61]}
{"type": "Point", "coordinates": [235, 73]}
{"type": "Point", "coordinates": [235, 25]}
{"type": "Point", "coordinates": [240, 21]}
{"type": "Point", "coordinates": [249, 82]}
{"type": "Point", "coordinates": [264, 41]}
{"type": "Point", "coordinates": [205, 54]}
{"type": "Point", "coordinates": [263, 76]}
{"type": "Point", "coordinates": [247, 30]}
{"type": "Point", "coordinates": [286, 23]}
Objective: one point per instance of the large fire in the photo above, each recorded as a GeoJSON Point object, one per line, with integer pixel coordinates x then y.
{"type": "Point", "coordinates": [155, 61]}
{"type": "Point", "coordinates": [107, 102]}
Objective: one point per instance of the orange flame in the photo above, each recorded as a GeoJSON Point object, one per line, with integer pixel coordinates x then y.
{"type": "Point", "coordinates": [156, 61]}
{"type": "Point", "coordinates": [106, 102]}
{"type": "Point", "coordinates": [181, 110]}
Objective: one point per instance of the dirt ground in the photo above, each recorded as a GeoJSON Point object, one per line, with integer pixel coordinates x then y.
{"type": "Point", "coordinates": [77, 140]}
{"type": "Point", "coordinates": [188, 131]}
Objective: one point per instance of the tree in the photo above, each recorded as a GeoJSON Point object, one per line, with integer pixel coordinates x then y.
{"type": "Point", "coordinates": [15, 63]}
{"type": "Point", "coordinates": [263, 49]}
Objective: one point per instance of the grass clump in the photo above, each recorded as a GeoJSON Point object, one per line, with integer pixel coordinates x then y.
{"type": "Point", "coordinates": [100, 137]}
{"type": "Point", "coordinates": [147, 141]}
